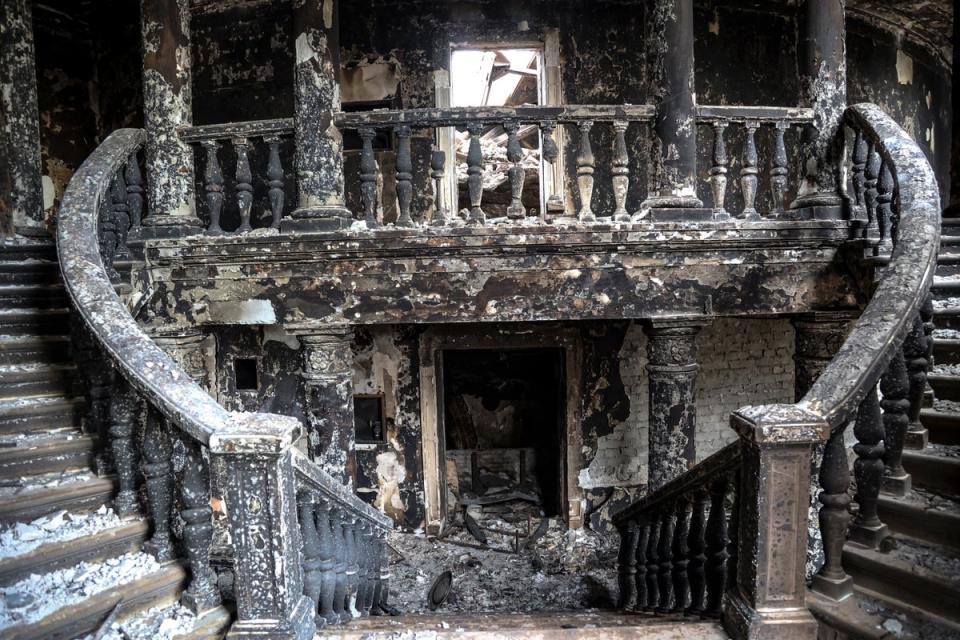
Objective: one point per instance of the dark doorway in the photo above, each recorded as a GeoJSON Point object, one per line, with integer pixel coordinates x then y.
{"type": "Point", "coordinates": [503, 416]}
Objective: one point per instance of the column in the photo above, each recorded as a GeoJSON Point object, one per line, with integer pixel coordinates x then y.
{"type": "Point", "coordinates": [824, 84]}
{"type": "Point", "coordinates": [328, 395]}
{"type": "Point", "coordinates": [21, 187]}
{"type": "Point", "coordinates": [188, 348]}
{"type": "Point", "coordinates": [319, 147]}
{"type": "Point", "coordinates": [818, 337]}
{"type": "Point", "coordinates": [167, 105]}
{"type": "Point", "coordinates": [672, 369]}
{"type": "Point", "coordinates": [673, 92]}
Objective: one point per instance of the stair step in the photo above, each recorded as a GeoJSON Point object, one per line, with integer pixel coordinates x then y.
{"type": "Point", "coordinates": [914, 573]}
{"type": "Point", "coordinates": [32, 296]}
{"type": "Point", "coordinates": [937, 468]}
{"type": "Point", "coordinates": [40, 414]}
{"type": "Point", "coordinates": [25, 349]}
{"type": "Point", "coordinates": [161, 587]}
{"type": "Point", "coordinates": [35, 380]}
{"type": "Point", "coordinates": [945, 386]}
{"type": "Point", "coordinates": [922, 515]}
{"type": "Point", "coordinates": [944, 426]}
{"type": "Point", "coordinates": [45, 453]}
{"type": "Point", "coordinates": [109, 542]}
{"type": "Point", "coordinates": [76, 492]}
{"type": "Point", "coordinates": [946, 350]}
{"type": "Point", "coordinates": [862, 617]}
{"type": "Point", "coordinates": [945, 286]}
{"type": "Point", "coordinates": [213, 624]}
{"type": "Point", "coordinates": [19, 322]}
{"type": "Point", "coordinates": [16, 251]}
{"type": "Point", "coordinates": [30, 272]}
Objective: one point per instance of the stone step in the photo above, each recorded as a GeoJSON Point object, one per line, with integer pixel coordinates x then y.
{"type": "Point", "coordinates": [13, 251]}
{"type": "Point", "coordinates": [32, 296]}
{"type": "Point", "coordinates": [30, 272]}
{"type": "Point", "coordinates": [949, 238]}
{"type": "Point", "coordinates": [937, 468]}
{"type": "Point", "coordinates": [862, 616]}
{"type": "Point", "coordinates": [944, 426]}
{"type": "Point", "coordinates": [160, 588]}
{"type": "Point", "coordinates": [45, 453]}
{"type": "Point", "coordinates": [947, 318]}
{"type": "Point", "coordinates": [82, 492]}
{"type": "Point", "coordinates": [945, 287]}
{"type": "Point", "coordinates": [40, 414]}
{"type": "Point", "coordinates": [924, 516]}
{"type": "Point", "coordinates": [945, 386]}
{"type": "Point", "coordinates": [19, 322]}
{"type": "Point", "coordinates": [107, 543]}
{"type": "Point", "coordinates": [27, 349]}
{"type": "Point", "coordinates": [36, 380]}
{"type": "Point", "coordinates": [946, 350]}
{"type": "Point", "coordinates": [914, 573]}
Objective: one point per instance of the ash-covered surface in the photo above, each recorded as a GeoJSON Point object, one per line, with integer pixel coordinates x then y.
{"type": "Point", "coordinates": [21, 537]}
{"type": "Point", "coordinates": [898, 624]}
{"type": "Point", "coordinates": [158, 623]}
{"type": "Point", "coordinates": [562, 570]}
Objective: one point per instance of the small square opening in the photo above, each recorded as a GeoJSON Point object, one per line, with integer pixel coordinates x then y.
{"type": "Point", "coordinates": [368, 418]}
{"type": "Point", "coordinates": [245, 374]}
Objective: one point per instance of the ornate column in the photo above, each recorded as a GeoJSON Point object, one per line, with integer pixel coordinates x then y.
{"type": "Point", "coordinates": [672, 90]}
{"type": "Point", "coordinates": [187, 346]}
{"type": "Point", "coordinates": [319, 146]}
{"type": "Point", "coordinates": [167, 105]}
{"type": "Point", "coordinates": [824, 84]}
{"type": "Point", "coordinates": [328, 397]}
{"type": "Point", "coordinates": [672, 369]}
{"type": "Point", "coordinates": [21, 188]}
{"type": "Point", "coordinates": [818, 337]}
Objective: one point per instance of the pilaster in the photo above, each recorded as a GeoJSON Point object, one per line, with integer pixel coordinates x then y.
{"type": "Point", "coordinates": [818, 337]}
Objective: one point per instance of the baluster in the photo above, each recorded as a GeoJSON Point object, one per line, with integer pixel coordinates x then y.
{"type": "Point", "coordinates": [641, 567]}
{"type": "Point", "coordinates": [366, 583]}
{"type": "Point", "coordinates": [312, 578]}
{"type": "Point", "coordinates": [868, 470]}
{"type": "Point", "coordinates": [438, 158]}
{"type": "Point", "coordinates": [274, 180]}
{"type": "Point", "coordinates": [121, 446]}
{"type": "Point", "coordinates": [920, 361]}
{"type": "Point", "coordinates": [697, 548]}
{"type": "Point", "coordinates": [404, 175]}
{"type": "Point", "coordinates": [551, 152]}
{"type": "Point", "coordinates": [858, 160]}
{"type": "Point", "coordinates": [749, 171]}
{"type": "Point", "coordinates": [368, 177]}
{"type": "Point", "coordinates": [213, 186]}
{"type": "Point", "coordinates": [620, 171]}
{"type": "Point", "coordinates": [718, 172]}
{"type": "Point", "coordinates": [353, 568]}
{"type": "Point", "coordinates": [895, 385]}
{"type": "Point", "coordinates": [627, 565]}
{"type": "Point", "coordinates": [121, 214]}
{"type": "Point", "coordinates": [202, 594]}
{"type": "Point", "coordinates": [327, 566]}
{"type": "Point", "coordinates": [585, 173]}
{"type": "Point", "coordinates": [871, 174]}
{"type": "Point", "coordinates": [665, 555]}
{"type": "Point", "coordinates": [382, 602]}
{"type": "Point", "coordinates": [475, 174]}
{"type": "Point", "coordinates": [778, 169]}
{"type": "Point", "coordinates": [378, 570]}
{"type": "Point", "coordinates": [717, 547]}
{"type": "Point", "coordinates": [832, 581]}
{"type": "Point", "coordinates": [156, 472]}
{"type": "Point", "coordinates": [681, 557]}
{"type": "Point", "coordinates": [516, 173]}
{"type": "Point", "coordinates": [653, 565]}
{"type": "Point", "coordinates": [244, 186]}
{"type": "Point", "coordinates": [885, 219]}
{"type": "Point", "coordinates": [340, 555]}
{"type": "Point", "coordinates": [108, 238]}
{"type": "Point", "coordinates": [134, 182]}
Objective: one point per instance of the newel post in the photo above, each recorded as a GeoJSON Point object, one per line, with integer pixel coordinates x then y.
{"type": "Point", "coordinates": [768, 599]}
{"type": "Point", "coordinates": [253, 455]}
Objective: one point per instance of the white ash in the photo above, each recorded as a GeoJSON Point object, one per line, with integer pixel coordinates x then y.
{"type": "Point", "coordinates": [22, 538]}
{"type": "Point", "coordinates": [947, 369]}
{"type": "Point", "coordinates": [946, 334]}
{"type": "Point", "coordinates": [25, 484]}
{"type": "Point", "coordinates": [37, 596]}
{"type": "Point", "coordinates": [159, 623]}
{"type": "Point", "coordinates": [946, 303]}
{"type": "Point", "coordinates": [947, 406]}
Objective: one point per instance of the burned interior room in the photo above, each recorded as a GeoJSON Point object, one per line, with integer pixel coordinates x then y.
{"type": "Point", "coordinates": [511, 320]}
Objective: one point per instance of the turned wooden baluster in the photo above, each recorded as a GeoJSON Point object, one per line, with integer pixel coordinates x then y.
{"type": "Point", "coordinates": [551, 152]}
{"type": "Point", "coordinates": [885, 219]}
{"type": "Point", "coordinates": [340, 555]}
{"type": "Point", "coordinates": [858, 160]}
{"type": "Point", "coordinates": [653, 565]}
{"type": "Point", "coordinates": [364, 548]}
{"type": "Point", "coordinates": [718, 171]}
{"type": "Point", "coordinates": [868, 470]}
{"type": "Point", "coordinates": [159, 483]}
{"type": "Point", "coordinates": [353, 567]}
{"type": "Point", "coordinates": [438, 159]}
{"type": "Point", "coordinates": [382, 605]}
{"type": "Point", "coordinates": [475, 174]}
{"type": "Point", "coordinates": [749, 171]}
{"type": "Point", "coordinates": [919, 362]}
{"type": "Point", "coordinates": [585, 164]}
{"type": "Point", "coordinates": [895, 387]}
{"type": "Point", "coordinates": [327, 565]}
{"type": "Point", "coordinates": [213, 186]}
{"type": "Point", "coordinates": [831, 580]}
{"type": "Point", "coordinates": [404, 175]}
{"type": "Point", "coordinates": [274, 181]}
{"type": "Point", "coordinates": [310, 557]}
{"type": "Point", "coordinates": [641, 567]}
{"type": "Point", "coordinates": [121, 214]}
{"type": "Point", "coordinates": [627, 565]}
{"type": "Point", "coordinates": [870, 175]}
{"type": "Point", "coordinates": [517, 174]}
{"type": "Point", "coordinates": [697, 553]}
{"type": "Point", "coordinates": [620, 171]}
{"type": "Point", "coordinates": [718, 541]}
{"type": "Point", "coordinates": [108, 238]}
{"type": "Point", "coordinates": [244, 183]}
{"type": "Point", "coordinates": [681, 557]}
{"type": "Point", "coordinates": [665, 555]}
{"type": "Point", "coordinates": [134, 181]}
{"type": "Point", "coordinates": [368, 177]}
{"type": "Point", "coordinates": [197, 516]}
{"type": "Point", "coordinates": [778, 169]}
{"type": "Point", "coordinates": [122, 406]}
